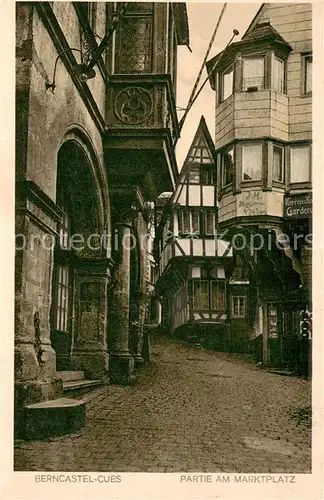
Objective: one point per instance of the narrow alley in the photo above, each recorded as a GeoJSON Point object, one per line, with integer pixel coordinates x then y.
{"type": "Point", "coordinates": [190, 410]}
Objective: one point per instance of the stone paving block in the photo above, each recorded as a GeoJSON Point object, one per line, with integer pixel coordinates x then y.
{"type": "Point", "coordinates": [180, 416]}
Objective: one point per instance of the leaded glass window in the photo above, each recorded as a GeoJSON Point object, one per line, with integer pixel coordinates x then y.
{"type": "Point", "coordinates": [134, 47]}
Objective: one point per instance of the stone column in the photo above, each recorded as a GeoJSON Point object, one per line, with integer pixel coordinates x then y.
{"type": "Point", "coordinates": [265, 347]}
{"type": "Point", "coordinates": [121, 360]}
{"type": "Point", "coordinates": [139, 335]}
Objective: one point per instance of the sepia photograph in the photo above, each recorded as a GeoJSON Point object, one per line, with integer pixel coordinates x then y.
{"type": "Point", "coordinates": [163, 241]}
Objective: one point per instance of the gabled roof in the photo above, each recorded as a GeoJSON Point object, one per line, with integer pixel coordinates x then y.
{"type": "Point", "coordinates": [264, 30]}
{"type": "Point", "coordinates": [256, 17]}
{"type": "Point", "coordinates": [202, 139]}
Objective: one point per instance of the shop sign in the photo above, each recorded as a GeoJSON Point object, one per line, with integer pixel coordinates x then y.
{"type": "Point", "coordinates": [298, 206]}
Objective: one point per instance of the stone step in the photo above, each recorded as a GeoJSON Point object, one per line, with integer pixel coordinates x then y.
{"type": "Point", "coordinates": [55, 417]}
{"type": "Point", "coordinates": [72, 385]}
{"type": "Point", "coordinates": [68, 375]}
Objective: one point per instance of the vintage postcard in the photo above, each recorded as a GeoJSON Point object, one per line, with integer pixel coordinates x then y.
{"type": "Point", "coordinates": [164, 209]}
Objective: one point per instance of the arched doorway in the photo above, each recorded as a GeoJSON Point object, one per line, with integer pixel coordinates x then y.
{"type": "Point", "coordinates": [79, 284]}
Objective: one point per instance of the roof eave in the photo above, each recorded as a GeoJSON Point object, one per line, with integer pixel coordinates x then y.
{"type": "Point", "coordinates": [181, 20]}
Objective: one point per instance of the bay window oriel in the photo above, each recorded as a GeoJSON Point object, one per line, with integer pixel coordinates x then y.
{"type": "Point", "coordinates": [208, 295]}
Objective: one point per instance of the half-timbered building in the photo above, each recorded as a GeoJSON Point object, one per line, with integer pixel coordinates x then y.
{"type": "Point", "coordinates": [193, 262]}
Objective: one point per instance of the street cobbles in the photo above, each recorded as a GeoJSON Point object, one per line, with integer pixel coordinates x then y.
{"type": "Point", "coordinates": [191, 410]}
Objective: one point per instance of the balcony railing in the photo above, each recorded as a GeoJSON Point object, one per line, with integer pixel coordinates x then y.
{"type": "Point", "coordinates": [253, 83]}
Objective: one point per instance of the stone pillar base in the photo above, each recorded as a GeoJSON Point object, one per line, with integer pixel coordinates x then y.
{"type": "Point", "coordinates": [121, 369]}
{"type": "Point", "coordinates": [95, 364]}
{"type": "Point", "coordinates": [31, 392]}
{"type": "Point", "coordinates": [139, 361]}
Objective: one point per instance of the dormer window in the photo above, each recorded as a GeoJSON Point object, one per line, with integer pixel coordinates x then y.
{"type": "Point", "coordinates": [253, 73]}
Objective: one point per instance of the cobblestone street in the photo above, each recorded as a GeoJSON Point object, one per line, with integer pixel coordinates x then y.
{"type": "Point", "coordinates": [191, 410]}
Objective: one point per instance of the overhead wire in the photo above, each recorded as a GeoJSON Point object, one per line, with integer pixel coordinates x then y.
{"type": "Point", "coordinates": [192, 97]}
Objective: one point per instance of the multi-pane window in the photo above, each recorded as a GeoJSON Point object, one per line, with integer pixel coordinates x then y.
{"type": "Point", "coordinates": [189, 222]}
{"type": "Point", "coordinates": [209, 295]}
{"type": "Point", "coordinates": [253, 73]}
{"type": "Point", "coordinates": [194, 175]}
{"type": "Point", "coordinates": [252, 162]}
{"type": "Point", "coordinates": [278, 75]}
{"type": "Point", "coordinates": [227, 83]}
{"type": "Point", "coordinates": [308, 74]}
{"type": "Point", "coordinates": [134, 46]}
{"type": "Point", "coordinates": [217, 296]}
{"type": "Point", "coordinates": [210, 223]}
{"type": "Point", "coordinates": [207, 176]}
{"type": "Point", "coordinates": [61, 313]}
{"type": "Point", "coordinates": [201, 294]}
{"type": "Point", "coordinates": [278, 163]}
{"type": "Point", "coordinates": [238, 307]}
{"type": "Point", "coordinates": [227, 166]}
{"type": "Point", "coordinates": [300, 163]}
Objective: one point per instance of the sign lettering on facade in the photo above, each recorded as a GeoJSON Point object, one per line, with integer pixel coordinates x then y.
{"type": "Point", "coordinates": [298, 206]}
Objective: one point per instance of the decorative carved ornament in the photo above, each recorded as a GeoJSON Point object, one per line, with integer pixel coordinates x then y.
{"type": "Point", "coordinates": [133, 105]}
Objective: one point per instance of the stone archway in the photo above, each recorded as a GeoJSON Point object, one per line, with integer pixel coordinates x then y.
{"type": "Point", "coordinates": [81, 267]}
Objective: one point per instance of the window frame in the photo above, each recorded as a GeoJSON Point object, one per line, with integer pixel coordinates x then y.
{"type": "Point", "coordinates": [226, 71]}
{"type": "Point", "coordinates": [222, 155]}
{"type": "Point", "coordinates": [190, 214]}
{"type": "Point", "coordinates": [247, 57]}
{"type": "Point", "coordinates": [209, 287]}
{"type": "Point", "coordinates": [283, 61]}
{"type": "Point", "coordinates": [191, 170]}
{"type": "Point", "coordinates": [213, 215]}
{"type": "Point", "coordinates": [283, 162]}
{"type": "Point", "coordinates": [246, 144]}
{"type": "Point", "coordinates": [305, 58]}
{"type": "Point", "coordinates": [233, 314]}
{"type": "Point", "coordinates": [295, 147]}
{"type": "Point", "coordinates": [119, 53]}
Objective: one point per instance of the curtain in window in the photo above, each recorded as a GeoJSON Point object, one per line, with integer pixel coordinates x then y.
{"type": "Point", "coordinates": [253, 73]}
{"type": "Point", "coordinates": [277, 163]}
{"type": "Point", "coordinates": [195, 222]}
{"type": "Point", "coordinates": [300, 164]}
{"type": "Point", "coordinates": [200, 295]}
{"type": "Point", "coordinates": [217, 296]}
{"type": "Point", "coordinates": [227, 84]}
{"type": "Point", "coordinates": [252, 162]}
{"type": "Point", "coordinates": [278, 75]}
